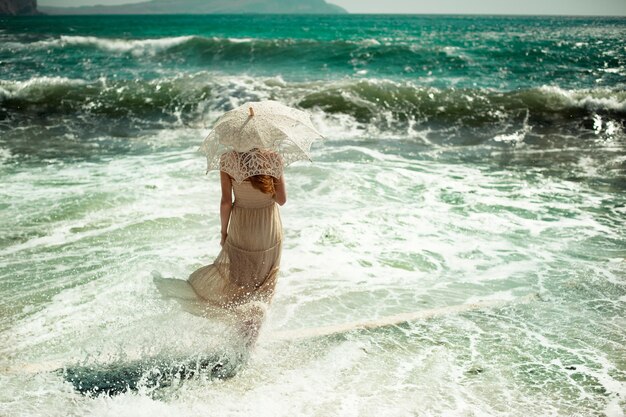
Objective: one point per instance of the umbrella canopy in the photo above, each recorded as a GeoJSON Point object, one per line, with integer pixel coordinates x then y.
{"type": "Point", "coordinates": [259, 138]}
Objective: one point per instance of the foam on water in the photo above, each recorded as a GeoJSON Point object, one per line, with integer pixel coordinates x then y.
{"type": "Point", "coordinates": [347, 109]}
{"type": "Point", "coordinates": [35, 87]}
{"type": "Point", "coordinates": [135, 46]}
{"type": "Point", "coordinates": [5, 155]}
{"type": "Point", "coordinates": [367, 234]}
{"type": "Point", "coordinates": [592, 100]}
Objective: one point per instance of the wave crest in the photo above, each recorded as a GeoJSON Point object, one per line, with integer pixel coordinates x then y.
{"type": "Point", "coordinates": [233, 48]}
{"type": "Point", "coordinates": [370, 105]}
{"type": "Point", "coordinates": [134, 46]}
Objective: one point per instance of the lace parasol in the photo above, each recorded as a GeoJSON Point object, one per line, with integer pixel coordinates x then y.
{"type": "Point", "coordinates": [259, 138]}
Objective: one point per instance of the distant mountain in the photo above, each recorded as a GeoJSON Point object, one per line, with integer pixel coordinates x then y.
{"type": "Point", "coordinates": [205, 7]}
{"type": "Point", "coordinates": [18, 7]}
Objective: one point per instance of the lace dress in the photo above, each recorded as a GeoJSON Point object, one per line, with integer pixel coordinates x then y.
{"type": "Point", "coordinates": [246, 268]}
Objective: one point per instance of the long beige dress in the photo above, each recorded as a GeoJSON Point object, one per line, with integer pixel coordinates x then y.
{"type": "Point", "coordinates": [246, 268]}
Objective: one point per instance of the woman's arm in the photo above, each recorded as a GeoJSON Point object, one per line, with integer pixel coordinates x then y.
{"type": "Point", "coordinates": [280, 191]}
{"type": "Point", "coordinates": [226, 204]}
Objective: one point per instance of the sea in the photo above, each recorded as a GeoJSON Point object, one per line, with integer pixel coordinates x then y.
{"type": "Point", "coordinates": [473, 175]}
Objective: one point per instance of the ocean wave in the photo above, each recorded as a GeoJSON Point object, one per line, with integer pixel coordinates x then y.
{"type": "Point", "coordinates": [366, 99]}
{"type": "Point", "coordinates": [235, 48]}
{"type": "Point", "coordinates": [144, 45]}
{"type": "Point", "coordinates": [383, 105]}
{"type": "Point", "coordinates": [38, 88]}
{"type": "Point", "coordinates": [593, 100]}
{"type": "Point", "coordinates": [437, 64]}
{"type": "Point", "coordinates": [134, 46]}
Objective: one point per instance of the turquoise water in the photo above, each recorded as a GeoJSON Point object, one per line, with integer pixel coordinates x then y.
{"type": "Point", "coordinates": [468, 159]}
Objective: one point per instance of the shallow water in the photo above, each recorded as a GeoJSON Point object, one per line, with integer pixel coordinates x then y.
{"type": "Point", "coordinates": [412, 203]}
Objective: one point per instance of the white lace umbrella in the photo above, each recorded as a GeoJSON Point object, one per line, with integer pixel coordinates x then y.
{"type": "Point", "coordinates": [259, 138]}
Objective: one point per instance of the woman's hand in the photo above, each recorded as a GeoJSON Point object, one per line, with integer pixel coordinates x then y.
{"type": "Point", "coordinates": [223, 240]}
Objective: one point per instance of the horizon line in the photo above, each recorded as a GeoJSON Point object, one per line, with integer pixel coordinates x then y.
{"type": "Point", "coordinates": [323, 14]}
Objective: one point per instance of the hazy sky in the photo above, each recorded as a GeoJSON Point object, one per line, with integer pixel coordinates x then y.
{"type": "Point", "coordinates": [564, 7]}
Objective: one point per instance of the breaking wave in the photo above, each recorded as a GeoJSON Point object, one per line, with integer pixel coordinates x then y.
{"type": "Point", "coordinates": [210, 49]}
{"type": "Point", "coordinates": [197, 98]}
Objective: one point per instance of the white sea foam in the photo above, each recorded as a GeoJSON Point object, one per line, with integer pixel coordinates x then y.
{"type": "Point", "coordinates": [617, 70]}
{"type": "Point", "coordinates": [134, 46]}
{"type": "Point", "coordinates": [592, 100]}
{"type": "Point", "coordinates": [369, 42]}
{"type": "Point", "coordinates": [389, 242]}
{"type": "Point", "coordinates": [5, 154]}
{"type": "Point", "coordinates": [34, 86]}
{"type": "Point", "coordinates": [517, 137]}
{"type": "Point", "coordinates": [137, 47]}
{"type": "Point", "coordinates": [615, 407]}
{"type": "Point", "coordinates": [368, 233]}
{"type": "Point", "coordinates": [241, 40]}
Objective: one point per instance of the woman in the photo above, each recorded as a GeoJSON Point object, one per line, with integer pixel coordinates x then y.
{"type": "Point", "coordinates": [250, 145]}
{"type": "Point", "coordinates": [243, 276]}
